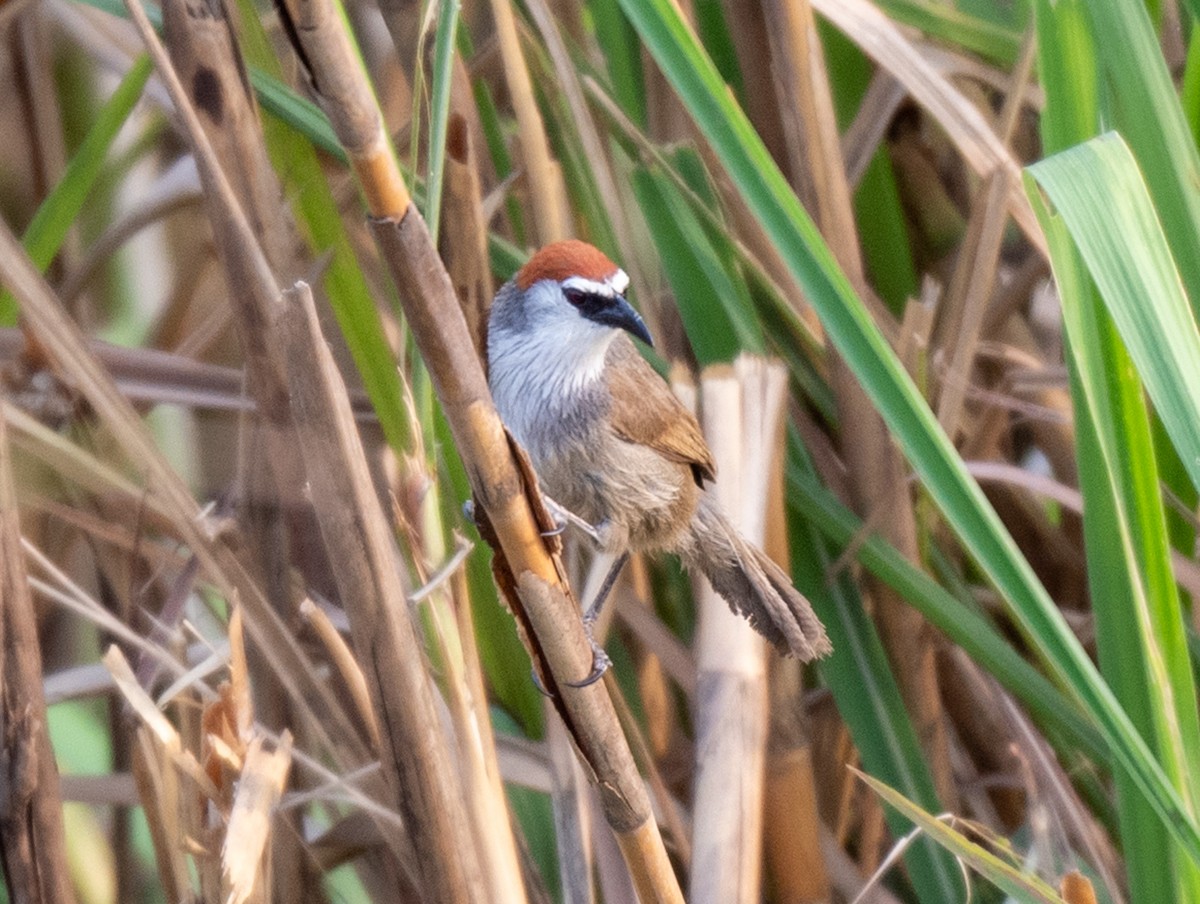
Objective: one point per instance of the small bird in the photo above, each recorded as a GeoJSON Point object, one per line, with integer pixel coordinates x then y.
{"type": "Point", "coordinates": [615, 451]}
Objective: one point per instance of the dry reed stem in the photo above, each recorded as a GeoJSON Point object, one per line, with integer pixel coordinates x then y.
{"type": "Point", "coordinates": [348, 667]}
{"type": "Point", "coordinates": [466, 704]}
{"type": "Point", "coordinates": [33, 852]}
{"type": "Point", "coordinates": [543, 176]}
{"type": "Point", "coordinates": [751, 31]}
{"type": "Point", "coordinates": [158, 789]}
{"type": "Point", "coordinates": [416, 755]}
{"type": "Point", "coordinates": [876, 112]}
{"type": "Point", "coordinates": [1018, 85]}
{"type": "Point", "coordinates": [205, 53]}
{"type": "Point", "coordinates": [791, 812]}
{"type": "Point", "coordinates": [731, 683]}
{"type": "Point", "coordinates": [486, 798]}
{"type": "Point", "coordinates": [571, 811]}
{"type": "Point", "coordinates": [966, 302]}
{"type": "Point", "coordinates": [794, 853]}
{"type": "Point", "coordinates": [814, 145]}
{"type": "Point", "coordinates": [331, 62]}
{"type": "Point", "coordinates": [163, 732]}
{"type": "Point", "coordinates": [464, 247]}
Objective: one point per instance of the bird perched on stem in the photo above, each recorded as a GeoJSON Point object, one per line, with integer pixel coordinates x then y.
{"type": "Point", "coordinates": [616, 453]}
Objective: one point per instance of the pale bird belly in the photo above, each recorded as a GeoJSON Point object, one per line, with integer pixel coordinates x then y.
{"type": "Point", "coordinates": [644, 501]}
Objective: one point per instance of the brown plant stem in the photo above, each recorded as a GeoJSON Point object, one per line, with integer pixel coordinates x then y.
{"type": "Point", "coordinates": [416, 754]}
{"type": "Point", "coordinates": [543, 175]}
{"type": "Point", "coordinates": [32, 844]}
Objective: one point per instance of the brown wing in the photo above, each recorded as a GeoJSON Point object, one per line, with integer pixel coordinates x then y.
{"type": "Point", "coordinates": [645, 411]}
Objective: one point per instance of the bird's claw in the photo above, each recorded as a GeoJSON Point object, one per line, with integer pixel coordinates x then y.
{"type": "Point", "coordinates": [557, 530]}
{"type": "Point", "coordinates": [537, 682]}
{"type": "Point", "coordinates": [563, 516]}
{"type": "Point", "coordinates": [600, 663]}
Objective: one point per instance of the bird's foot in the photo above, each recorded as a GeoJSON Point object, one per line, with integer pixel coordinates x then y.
{"type": "Point", "coordinates": [563, 516]}
{"type": "Point", "coordinates": [600, 665]}
{"type": "Point", "coordinates": [600, 661]}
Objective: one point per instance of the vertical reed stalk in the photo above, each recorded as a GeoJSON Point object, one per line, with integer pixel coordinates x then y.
{"type": "Point", "coordinates": [742, 408]}
{"type": "Point", "coordinates": [32, 844]}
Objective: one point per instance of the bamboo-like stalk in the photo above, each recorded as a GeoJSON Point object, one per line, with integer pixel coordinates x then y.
{"type": "Point", "coordinates": [532, 578]}
{"type": "Point", "coordinates": [356, 534]}
{"type": "Point", "coordinates": [486, 799]}
{"type": "Point", "coordinates": [731, 680]}
{"type": "Point", "coordinates": [32, 842]}
{"type": "Point", "coordinates": [543, 175]}
{"type": "Point", "coordinates": [957, 333]}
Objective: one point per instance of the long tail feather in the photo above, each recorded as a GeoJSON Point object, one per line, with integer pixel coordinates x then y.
{"type": "Point", "coordinates": [753, 585]}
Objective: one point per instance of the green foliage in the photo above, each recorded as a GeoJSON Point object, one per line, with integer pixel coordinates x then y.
{"type": "Point", "coordinates": [58, 212]}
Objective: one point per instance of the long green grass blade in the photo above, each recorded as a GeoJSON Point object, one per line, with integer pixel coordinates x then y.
{"type": "Point", "coordinates": [48, 228]}
{"type": "Point", "coordinates": [439, 115]}
{"type": "Point", "coordinates": [850, 328]}
{"type": "Point", "coordinates": [622, 57]}
{"type": "Point", "coordinates": [1098, 191]}
{"type": "Point", "coordinates": [1118, 479]}
{"type": "Point", "coordinates": [298, 112]}
{"type": "Point", "coordinates": [1145, 108]}
{"type": "Point", "coordinates": [1022, 886]}
{"type": "Point", "coordinates": [1140, 630]}
{"type": "Point", "coordinates": [715, 306]}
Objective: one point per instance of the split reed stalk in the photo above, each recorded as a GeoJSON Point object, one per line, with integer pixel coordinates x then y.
{"type": "Point", "coordinates": [731, 658]}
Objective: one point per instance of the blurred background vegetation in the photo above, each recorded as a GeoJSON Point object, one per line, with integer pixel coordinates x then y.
{"type": "Point", "coordinates": [970, 231]}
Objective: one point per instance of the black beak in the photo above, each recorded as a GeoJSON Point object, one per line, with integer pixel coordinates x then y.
{"type": "Point", "coordinates": [620, 313]}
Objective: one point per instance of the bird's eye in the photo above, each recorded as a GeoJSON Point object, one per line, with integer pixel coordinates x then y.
{"type": "Point", "coordinates": [577, 297]}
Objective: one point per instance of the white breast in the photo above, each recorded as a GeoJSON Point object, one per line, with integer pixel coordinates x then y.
{"type": "Point", "coordinates": [540, 379]}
